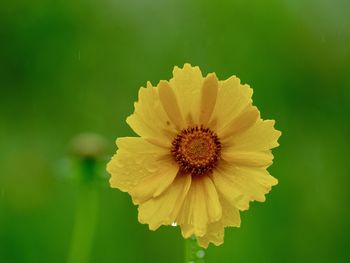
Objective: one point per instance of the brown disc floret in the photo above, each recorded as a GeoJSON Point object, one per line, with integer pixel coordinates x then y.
{"type": "Point", "coordinates": [197, 150]}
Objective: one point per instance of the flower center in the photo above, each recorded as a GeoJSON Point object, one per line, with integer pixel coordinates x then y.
{"type": "Point", "coordinates": [196, 150]}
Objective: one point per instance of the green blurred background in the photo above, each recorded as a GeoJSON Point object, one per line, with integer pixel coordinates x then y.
{"type": "Point", "coordinates": [68, 67]}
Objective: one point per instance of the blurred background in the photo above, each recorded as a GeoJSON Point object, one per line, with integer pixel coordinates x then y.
{"type": "Point", "coordinates": [71, 67]}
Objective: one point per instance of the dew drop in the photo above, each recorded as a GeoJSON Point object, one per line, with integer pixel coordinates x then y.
{"type": "Point", "coordinates": [200, 253]}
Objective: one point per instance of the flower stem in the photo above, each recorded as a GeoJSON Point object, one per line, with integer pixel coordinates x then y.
{"type": "Point", "coordinates": [193, 252]}
{"type": "Point", "coordinates": [86, 215]}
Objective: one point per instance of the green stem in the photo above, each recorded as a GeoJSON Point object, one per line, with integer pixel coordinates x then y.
{"type": "Point", "coordinates": [86, 215]}
{"type": "Point", "coordinates": [193, 252]}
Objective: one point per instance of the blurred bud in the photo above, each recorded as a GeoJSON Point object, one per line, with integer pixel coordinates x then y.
{"type": "Point", "coordinates": [89, 146]}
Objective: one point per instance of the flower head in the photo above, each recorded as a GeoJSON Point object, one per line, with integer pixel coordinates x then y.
{"type": "Point", "coordinates": [201, 156]}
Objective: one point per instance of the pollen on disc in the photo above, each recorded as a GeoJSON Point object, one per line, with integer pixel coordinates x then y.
{"type": "Point", "coordinates": [196, 150]}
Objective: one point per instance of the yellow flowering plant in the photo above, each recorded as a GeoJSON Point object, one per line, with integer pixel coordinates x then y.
{"type": "Point", "coordinates": [202, 154]}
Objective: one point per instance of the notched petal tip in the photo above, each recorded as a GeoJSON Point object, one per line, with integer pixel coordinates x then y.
{"type": "Point", "coordinates": [113, 184]}
{"type": "Point", "coordinates": [214, 235]}
{"type": "Point", "coordinates": [248, 89]}
{"type": "Point", "coordinates": [277, 133]}
{"type": "Point", "coordinates": [187, 65]}
{"type": "Point", "coordinates": [186, 68]}
{"type": "Point", "coordinates": [274, 181]}
{"type": "Point", "coordinates": [149, 84]}
{"type": "Point", "coordinates": [203, 243]}
{"type": "Point", "coordinates": [129, 119]}
{"type": "Point", "coordinates": [233, 78]}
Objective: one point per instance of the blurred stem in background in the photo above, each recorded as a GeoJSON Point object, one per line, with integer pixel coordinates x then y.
{"type": "Point", "coordinates": [88, 148]}
{"type": "Point", "coordinates": [86, 215]}
{"type": "Point", "coordinates": [193, 252]}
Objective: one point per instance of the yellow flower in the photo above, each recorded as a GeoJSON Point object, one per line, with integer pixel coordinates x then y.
{"type": "Point", "coordinates": [201, 156]}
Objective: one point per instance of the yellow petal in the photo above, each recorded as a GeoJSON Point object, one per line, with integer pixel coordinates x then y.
{"type": "Point", "coordinates": [214, 234]}
{"type": "Point", "coordinates": [230, 214]}
{"type": "Point", "coordinates": [208, 98]}
{"type": "Point", "coordinates": [200, 207]}
{"type": "Point", "coordinates": [187, 84]}
{"type": "Point", "coordinates": [241, 158]}
{"type": "Point", "coordinates": [139, 145]}
{"type": "Point", "coordinates": [164, 209]}
{"type": "Point", "coordinates": [240, 185]}
{"type": "Point", "coordinates": [230, 191]}
{"type": "Point", "coordinates": [232, 98]}
{"type": "Point", "coordinates": [149, 120]}
{"type": "Point", "coordinates": [242, 122]}
{"type": "Point", "coordinates": [135, 160]}
{"type": "Point", "coordinates": [170, 104]}
{"type": "Point", "coordinates": [261, 136]}
{"type": "Point", "coordinates": [154, 185]}
{"type": "Point", "coordinates": [215, 231]}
